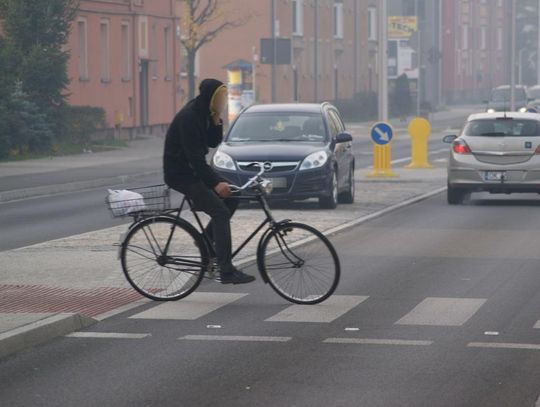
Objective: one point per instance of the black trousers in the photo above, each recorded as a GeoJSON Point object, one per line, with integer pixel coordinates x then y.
{"type": "Point", "coordinates": [220, 211]}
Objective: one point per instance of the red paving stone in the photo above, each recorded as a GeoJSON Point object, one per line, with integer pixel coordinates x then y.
{"type": "Point", "coordinates": [43, 299]}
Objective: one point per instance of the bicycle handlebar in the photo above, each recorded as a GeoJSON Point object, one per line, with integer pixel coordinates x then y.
{"type": "Point", "coordinates": [252, 181]}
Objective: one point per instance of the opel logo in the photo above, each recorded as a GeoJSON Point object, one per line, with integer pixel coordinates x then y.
{"type": "Point", "coordinates": [267, 166]}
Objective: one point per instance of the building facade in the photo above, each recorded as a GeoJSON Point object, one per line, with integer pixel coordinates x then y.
{"type": "Point", "coordinates": [125, 58]}
{"type": "Point", "coordinates": [332, 56]}
{"type": "Point", "coordinates": [475, 48]}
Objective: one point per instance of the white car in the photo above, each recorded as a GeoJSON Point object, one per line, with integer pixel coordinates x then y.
{"type": "Point", "coordinates": [495, 152]}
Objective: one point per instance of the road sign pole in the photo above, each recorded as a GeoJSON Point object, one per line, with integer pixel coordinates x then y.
{"type": "Point", "coordinates": [383, 60]}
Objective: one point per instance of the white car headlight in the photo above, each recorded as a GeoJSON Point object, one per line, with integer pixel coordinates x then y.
{"type": "Point", "coordinates": [314, 160]}
{"type": "Point", "coordinates": [491, 110]}
{"type": "Point", "coordinates": [224, 161]}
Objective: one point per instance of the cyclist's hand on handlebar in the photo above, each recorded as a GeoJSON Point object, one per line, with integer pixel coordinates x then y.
{"type": "Point", "coordinates": [223, 190]}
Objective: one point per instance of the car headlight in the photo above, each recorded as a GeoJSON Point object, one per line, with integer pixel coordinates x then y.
{"type": "Point", "coordinates": [314, 160]}
{"type": "Point", "coordinates": [491, 110]}
{"type": "Point", "coordinates": [523, 110]}
{"type": "Point", "coordinates": [224, 161]}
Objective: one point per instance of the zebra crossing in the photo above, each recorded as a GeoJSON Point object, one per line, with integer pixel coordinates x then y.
{"type": "Point", "coordinates": [427, 312]}
{"type": "Point", "coordinates": [431, 311]}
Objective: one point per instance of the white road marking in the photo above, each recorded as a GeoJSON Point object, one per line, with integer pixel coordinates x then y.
{"type": "Point", "coordinates": [233, 338]}
{"type": "Point", "coordinates": [442, 311]}
{"type": "Point", "coordinates": [193, 307]}
{"type": "Point", "coordinates": [107, 335]}
{"type": "Point", "coordinates": [328, 311]}
{"type": "Point", "coordinates": [406, 159]}
{"type": "Point", "coordinates": [537, 325]}
{"type": "Point", "coordinates": [365, 341]}
{"type": "Point", "coordinates": [494, 345]}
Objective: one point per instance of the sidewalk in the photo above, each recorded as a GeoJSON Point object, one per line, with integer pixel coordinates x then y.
{"type": "Point", "coordinates": [53, 288]}
{"type": "Point", "coordinates": [45, 176]}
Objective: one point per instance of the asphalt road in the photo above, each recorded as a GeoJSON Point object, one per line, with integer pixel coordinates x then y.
{"type": "Point", "coordinates": [437, 307]}
{"type": "Point", "coordinates": [39, 219]}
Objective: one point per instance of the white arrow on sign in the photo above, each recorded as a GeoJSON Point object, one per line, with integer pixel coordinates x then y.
{"type": "Point", "coordinates": [382, 134]}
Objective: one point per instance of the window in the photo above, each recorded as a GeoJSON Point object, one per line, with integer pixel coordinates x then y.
{"type": "Point", "coordinates": [105, 52]}
{"type": "Point", "coordinates": [83, 50]}
{"type": "Point", "coordinates": [338, 20]}
{"type": "Point", "coordinates": [372, 24]}
{"type": "Point", "coordinates": [297, 17]}
{"type": "Point", "coordinates": [483, 37]}
{"type": "Point", "coordinates": [126, 52]}
{"type": "Point", "coordinates": [168, 54]}
{"type": "Point", "coordinates": [465, 37]}
{"type": "Point", "coordinates": [499, 38]}
{"type": "Point", "coordinates": [154, 56]}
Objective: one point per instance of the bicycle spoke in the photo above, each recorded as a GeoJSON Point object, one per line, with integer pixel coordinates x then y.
{"type": "Point", "coordinates": [305, 274]}
{"type": "Point", "coordinates": [157, 276]}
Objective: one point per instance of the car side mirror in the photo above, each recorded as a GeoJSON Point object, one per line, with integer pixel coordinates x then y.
{"type": "Point", "coordinates": [344, 138]}
{"type": "Point", "coordinates": [449, 139]}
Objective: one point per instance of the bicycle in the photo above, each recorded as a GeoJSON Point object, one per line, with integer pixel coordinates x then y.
{"type": "Point", "coordinates": [164, 257]}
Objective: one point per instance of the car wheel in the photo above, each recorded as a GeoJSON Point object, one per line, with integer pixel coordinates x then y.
{"type": "Point", "coordinates": [348, 196]}
{"type": "Point", "coordinates": [330, 202]}
{"type": "Point", "coordinates": [455, 196]}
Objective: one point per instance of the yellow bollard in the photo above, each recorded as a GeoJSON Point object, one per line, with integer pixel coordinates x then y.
{"type": "Point", "coordinates": [381, 135]}
{"type": "Point", "coordinates": [382, 166]}
{"type": "Point", "coordinates": [419, 130]}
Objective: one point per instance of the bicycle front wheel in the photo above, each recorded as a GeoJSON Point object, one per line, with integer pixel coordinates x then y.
{"type": "Point", "coordinates": [159, 272]}
{"type": "Point", "coordinates": [299, 263]}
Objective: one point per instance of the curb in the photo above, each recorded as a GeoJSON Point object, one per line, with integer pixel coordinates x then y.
{"type": "Point", "coordinates": [41, 331]}
{"type": "Point", "coordinates": [47, 190]}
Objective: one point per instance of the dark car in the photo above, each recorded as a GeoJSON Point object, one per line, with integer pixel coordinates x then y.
{"type": "Point", "coordinates": [304, 148]}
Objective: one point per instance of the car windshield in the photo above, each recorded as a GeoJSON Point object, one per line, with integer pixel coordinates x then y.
{"type": "Point", "coordinates": [503, 95]}
{"type": "Point", "coordinates": [502, 128]}
{"type": "Point", "coordinates": [278, 127]}
{"type": "Point", "coordinates": [534, 93]}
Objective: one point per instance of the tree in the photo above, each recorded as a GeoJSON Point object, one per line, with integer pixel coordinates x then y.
{"type": "Point", "coordinates": [34, 67]}
{"type": "Point", "coordinates": [203, 20]}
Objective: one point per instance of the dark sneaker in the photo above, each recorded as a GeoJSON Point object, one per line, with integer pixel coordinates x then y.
{"type": "Point", "coordinates": [236, 277]}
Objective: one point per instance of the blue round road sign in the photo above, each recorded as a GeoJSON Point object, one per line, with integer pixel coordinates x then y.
{"type": "Point", "coordinates": [382, 133]}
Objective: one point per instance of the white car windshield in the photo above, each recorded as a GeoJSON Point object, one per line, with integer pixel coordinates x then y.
{"type": "Point", "coordinates": [502, 128]}
{"type": "Point", "coordinates": [278, 127]}
{"type": "Point", "coordinates": [503, 95]}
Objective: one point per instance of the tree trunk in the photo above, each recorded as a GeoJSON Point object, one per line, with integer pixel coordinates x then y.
{"type": "Point", "coordinates": [191, 73]}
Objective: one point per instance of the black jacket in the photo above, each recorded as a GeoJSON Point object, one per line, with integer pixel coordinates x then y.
{"type": "Point", "coordinates": [188, 138]}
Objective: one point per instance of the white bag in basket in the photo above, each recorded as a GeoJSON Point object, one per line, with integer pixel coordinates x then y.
{"type": "Point", "coordinates": [124, 202]}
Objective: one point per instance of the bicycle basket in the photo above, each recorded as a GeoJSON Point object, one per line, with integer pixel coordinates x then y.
{"type": "Point", "coordinates": [139, 201]}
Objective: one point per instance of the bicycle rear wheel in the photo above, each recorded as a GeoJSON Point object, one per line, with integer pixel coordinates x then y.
{"type": "Point", "coordinates": [164, 276]}
{"type": "Point", "coordinates": [299, 263]}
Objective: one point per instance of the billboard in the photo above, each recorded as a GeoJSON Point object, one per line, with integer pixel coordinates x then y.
{"type": "Point", "coordinates": [401, 26]}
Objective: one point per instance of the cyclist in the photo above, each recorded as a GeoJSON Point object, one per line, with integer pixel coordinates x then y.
{"type": "Point", "coordinates": [194, 129]}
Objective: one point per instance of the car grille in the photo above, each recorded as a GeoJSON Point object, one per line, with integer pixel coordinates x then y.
{"type": "Point", "coordinates": [277, 166]}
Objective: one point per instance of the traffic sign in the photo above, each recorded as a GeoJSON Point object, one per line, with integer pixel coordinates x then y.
{"type": "Point", "coordinates": [382, 133]}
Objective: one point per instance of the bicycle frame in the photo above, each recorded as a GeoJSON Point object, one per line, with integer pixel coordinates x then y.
{"type": "Point", "coordinates": [259, 197]}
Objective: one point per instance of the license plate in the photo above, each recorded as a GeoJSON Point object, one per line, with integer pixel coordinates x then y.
{"type": "Point", "coordinates": [495, 176]}
{"type": "Point", "coordinates": [279, 182]}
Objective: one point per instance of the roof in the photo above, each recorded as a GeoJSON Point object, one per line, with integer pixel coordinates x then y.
{"type": "Point", "coordinates": [502, 115]}
{"type": "Point", "coordinates": [508, 87]}
{"type": "Point", "coordinates": [286, 107]}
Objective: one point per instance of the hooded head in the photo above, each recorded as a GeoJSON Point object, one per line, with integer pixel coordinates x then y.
{"type": "Point", "coordinates": [212, 95]}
